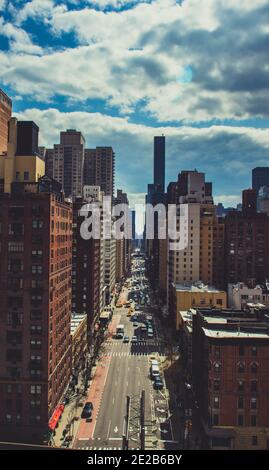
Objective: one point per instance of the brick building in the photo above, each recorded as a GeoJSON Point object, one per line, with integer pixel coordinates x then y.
{"type": "Point", "coordinates": [230, 372]}
{"type": "Point", "coordinates": [5, 115]}
{"type": "Point", "coordinates": [35, 310]}
{"type": "Point", "coordinates": [88, 289]}
{"type": "Point", "coordinates": [246, 243]}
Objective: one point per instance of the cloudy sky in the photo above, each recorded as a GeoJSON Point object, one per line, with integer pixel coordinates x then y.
{"type": "Point", "coordinates": [122, 71]}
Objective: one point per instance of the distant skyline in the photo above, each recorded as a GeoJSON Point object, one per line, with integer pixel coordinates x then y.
{"type": "Point", "coordinates": [122, 72]}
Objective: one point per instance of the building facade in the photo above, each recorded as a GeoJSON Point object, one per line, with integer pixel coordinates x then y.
{"type": "Point", "coordinates": [21, 168]}
{"type": "Point", "coordinates": [35, 311]}
{"type": "Point", "coordinates": [99, 169]}
{"type": "Point", "coordinates": [65, 162]}
{"type": "Point", "coordinates": [88, 283]}
{"type": "Point", "coordinates": [260, 177]}
{"type": "Point", "coordinates": [246, 247]}
{"type": "Point", "coordinates": [5, 115]}
{"type": "Point", "coordinates": [191, 296]}
{"type": "Point", "coordinates": [79, 343]}
{"type": "Point", "coordinates": [230, 371]}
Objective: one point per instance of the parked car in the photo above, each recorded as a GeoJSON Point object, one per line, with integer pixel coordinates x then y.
{"type": "Point", "coordinates": [87, 410]}
{"type": "Point", "coordinates": [158, 383]}
{"type": "Point", "coordinates": [126, 339]}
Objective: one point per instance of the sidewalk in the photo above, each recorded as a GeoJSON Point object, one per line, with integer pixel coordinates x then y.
{"type": "Point", "coordinates": [69, 423]}
{"type": "Point", "coordinates": [177, 393]}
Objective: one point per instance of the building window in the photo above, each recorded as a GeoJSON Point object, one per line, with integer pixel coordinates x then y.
{"type": "Point", "coordinates": [253, 420]}
{"type": "Point", "coordinates": [254, 368]}
{"type": "Point", "coordinates": [216, 402]}
{"type": "Point", "coordinates": [241, 386]}
{"type": "Point", "coordinates": [37, 269]}
{"type": "Point", "coordinates": [35, 389]}
{"type": "Point", "coordinates": [254, 351]}
{"type": "Point", "coordinates": [254, 385]}
{"type": "Point", "coordinates": [217, 352]}
{"type": "Point", "coordinates": [36, 224]}
{"type": "Point", "coordinates": [215, 420]}
{"type": "Point", "coordinates": [217, 367]}
{"type": "Point", "coordinates": [241, 367]}
{"type": "Point", "coordinates": [240, 420]}
{"type": "Point", "coordinates": [216, 385]}
{"type": "Point", "coordinates": [254, 440]}
{"type": "Point", "coordinates": [253, 403]}
{"type": "Point", "coordinates": [8, 418]}
{"type": "Point", "coordinates": [26, 176]}
{"type": "Point", "coordinates": [241, 351]}
{"type": "Point", "coordinates": [16, 247]}
{"type": "Point", "coordinates": [240, 403]}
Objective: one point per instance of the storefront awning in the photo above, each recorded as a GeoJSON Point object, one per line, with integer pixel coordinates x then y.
{"type": "Point", "coordinates": [55, 417]}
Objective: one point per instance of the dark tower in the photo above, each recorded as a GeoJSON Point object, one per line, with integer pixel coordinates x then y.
{"type": "Point", "coordinates": [27, 140]}
{"type": "Point", "coordinates": [260, 177]}
{"type": "Point", "coordinates": [159, 162]}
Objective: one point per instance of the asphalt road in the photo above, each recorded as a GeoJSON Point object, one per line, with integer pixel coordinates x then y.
{"type": "Point", "coordinates": [128, 374]}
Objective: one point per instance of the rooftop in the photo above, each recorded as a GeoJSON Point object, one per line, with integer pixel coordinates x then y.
{"type": "Point", "coordinates": [196, 287]}
{"type": "Point", "coordinates": [236, 333]}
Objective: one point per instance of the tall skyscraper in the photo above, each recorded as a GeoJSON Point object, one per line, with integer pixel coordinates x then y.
{"type": "Point", "coordinates": [99, 169]}
{"type": "Point", "coordinates": [88, 285]}
{"type": "Point", "coordinates": [156, 195]}
{"type": "Point", "coordinates": [159, 162]}
{"type": "Point", "coordinates": [35, 311]}
{"type": "Point", "coordinates": [133, 225]}
{"type": "Point", "coordinates": [260, 177]}
{"type": "Point", "coordinates": [123, 246]}
{"type": "Point", "coordinates": [5, 115]}
{"type": "Point", "coordinates": [65, 162]}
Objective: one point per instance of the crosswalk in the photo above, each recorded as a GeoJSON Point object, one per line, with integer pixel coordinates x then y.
{"type": "Point", "coordinates": [101, 448]}
{"type": "Point", "coordinates": [153, 342]}
{"type": "Point", "coordinates": [127, 354]}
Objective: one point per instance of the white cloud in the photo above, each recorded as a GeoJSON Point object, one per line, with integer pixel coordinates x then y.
{"type": "Point", "coordinates": [20, 41]}
{"type": "Point", "coordinates": [139, 57]}
{"type": "Point", "coordinates": [36, 9]}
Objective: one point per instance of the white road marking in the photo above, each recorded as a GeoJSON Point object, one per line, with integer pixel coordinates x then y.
{"type": "Point", "coordinates": [108, 429]}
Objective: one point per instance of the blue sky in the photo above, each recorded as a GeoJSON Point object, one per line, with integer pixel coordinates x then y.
{"type": "Point", "coordinates": [124, 71]}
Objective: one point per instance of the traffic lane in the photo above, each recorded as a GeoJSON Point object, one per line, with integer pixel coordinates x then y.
{"type": "Point", "coordinates": [102, 425]}
{"type": "Point", "coordinates": [119, 391]}
{"type": "Point", "coordinates": [139, 382]}
{"type": "Point", "coordinates": [86, 429]}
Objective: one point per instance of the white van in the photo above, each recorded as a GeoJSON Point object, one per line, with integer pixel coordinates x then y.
{"type": "Point", "coordinates": [154, 362]}
{"type": "Point", "coordinates": [154, 371]}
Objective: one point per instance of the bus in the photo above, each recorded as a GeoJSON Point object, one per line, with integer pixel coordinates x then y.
{"type": "Point", "coordinates": [119, 331]}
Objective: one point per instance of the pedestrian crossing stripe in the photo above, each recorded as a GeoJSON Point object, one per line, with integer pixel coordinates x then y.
{"type": "Point", "coordinates": [101, 448]}
{"type": "Point", "coordinates": [128, 353]}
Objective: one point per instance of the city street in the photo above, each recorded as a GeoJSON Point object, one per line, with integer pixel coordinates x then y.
{"type": "Point", "coordinates": [124, 369]}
